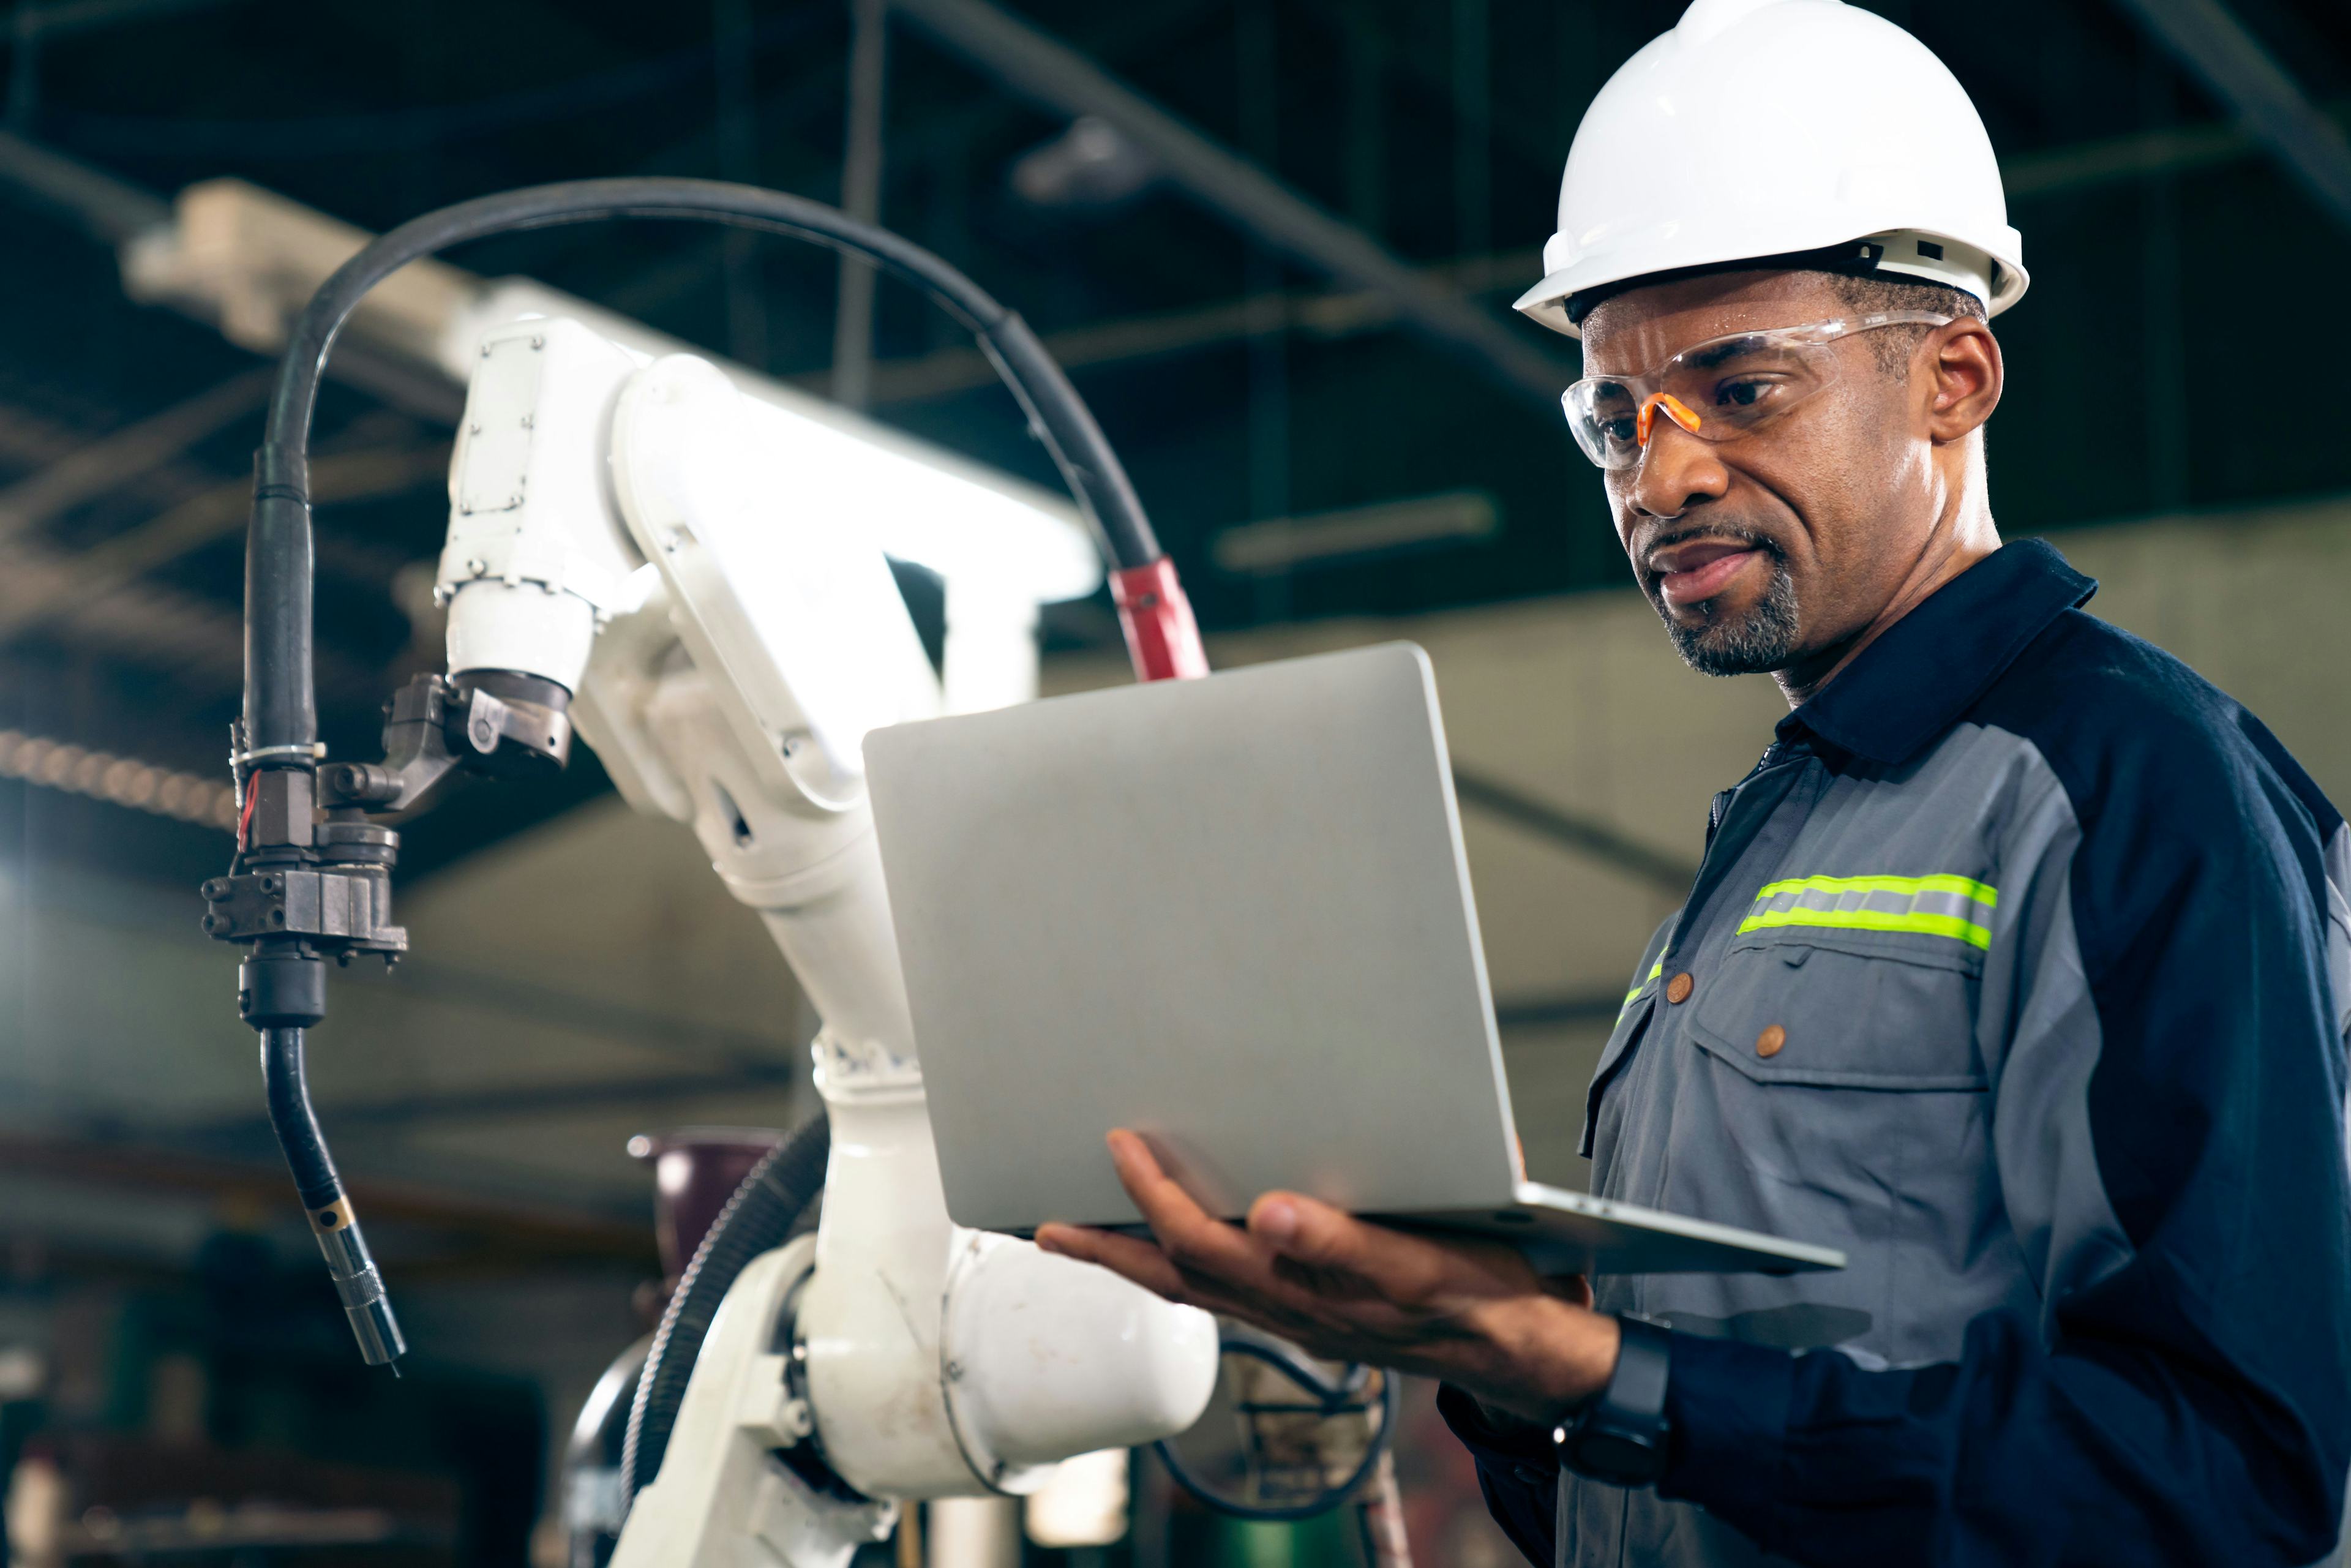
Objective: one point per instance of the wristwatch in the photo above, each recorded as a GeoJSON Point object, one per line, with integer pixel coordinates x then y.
{"type": "Point", "coordinates": [1620, 1437]}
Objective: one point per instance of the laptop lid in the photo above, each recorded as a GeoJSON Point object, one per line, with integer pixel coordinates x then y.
{"type": "Point", "coordinates": [1233, 914]}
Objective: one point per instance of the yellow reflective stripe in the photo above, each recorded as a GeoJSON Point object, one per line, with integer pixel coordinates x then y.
{"type": "Point", "coordinates": [1941, 905]}
{"type": "Point", "coordinates": [1951, 926]}
{"type": "Point", "coordinates": [1634, 994]}
{"type": "Point", "coordinates": [1982, 893]}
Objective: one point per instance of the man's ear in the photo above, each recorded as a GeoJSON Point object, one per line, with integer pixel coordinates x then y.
{"type": "Point", "coordinates": [1960, 375]}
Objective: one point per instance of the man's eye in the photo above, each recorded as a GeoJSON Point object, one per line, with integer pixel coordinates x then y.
{"type": "Point", "coordinates": [1623, 429]}
{"type": "Point", "coordinates": [1744, 393]}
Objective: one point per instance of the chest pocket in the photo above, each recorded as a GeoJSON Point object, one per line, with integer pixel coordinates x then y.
{"type": "Point", "coordinates": [1844, 1009]}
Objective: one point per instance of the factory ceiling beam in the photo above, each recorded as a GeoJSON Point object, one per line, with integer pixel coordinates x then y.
{"type": "Point", "coordinates": [1336, 313]}
{"type": "Point", "coordinates": [187, 638]}
{"type": "Point", "coordinates": [107, 463]}
{"type": "Point", "coordinates": [1131, 27]}
{"type": "Point", "coordinates": [143, 623]}
{"type": "Point", "coordinates": [211, 514]}
{"type": "Point", "coordinates": [178, 635]}
{"type": "Point", "coordinates": [2212, 45]}
{"type": "Point", "coordinates": [174, 634]}
{"type": "Point", "coordinates": [1329, 314]}
{"type": "Point", "coordinates": [163, 628]}
{"type": "Point", "coordinates": [34, 440]}
{"type": "Point", "coordinates": [117, 213]}
{"type": "Point", "coordinates": [1036, 67]}
{"type": "Point", "coordinates": [114, 212]}
{"type": "Point", "coordinates": [157, 628]}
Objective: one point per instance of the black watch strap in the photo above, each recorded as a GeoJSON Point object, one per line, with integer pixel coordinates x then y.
{"type": "Point", "coordinates": [1620, 1437]}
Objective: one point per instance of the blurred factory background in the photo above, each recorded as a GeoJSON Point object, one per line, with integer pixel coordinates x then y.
{"type": "Point", "coordinates": [1274, 241]}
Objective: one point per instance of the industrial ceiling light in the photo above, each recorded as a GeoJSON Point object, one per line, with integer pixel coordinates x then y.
{"type": "Point", "coordinates": [1091, 166]}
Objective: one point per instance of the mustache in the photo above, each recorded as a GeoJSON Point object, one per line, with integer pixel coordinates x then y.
{"type": "Point", "coordinates": [1722, 533]}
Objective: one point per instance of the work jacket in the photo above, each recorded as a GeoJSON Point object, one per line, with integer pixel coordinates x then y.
{"type": "Point", "coordinates": [2017, 969]}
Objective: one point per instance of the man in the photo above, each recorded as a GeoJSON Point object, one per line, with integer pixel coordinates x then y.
{"type": "Point", "coordinates": [2017, 968]}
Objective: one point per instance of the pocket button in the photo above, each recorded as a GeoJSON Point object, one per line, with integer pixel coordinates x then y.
{"type": "Point", "coordinates": [1768, 1042]}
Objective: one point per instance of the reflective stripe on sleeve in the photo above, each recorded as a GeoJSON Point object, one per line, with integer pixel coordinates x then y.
{"type": "Point", "coordinates": [1650, 980]}
{"type": "Point", "coordinates": [1951, 906]}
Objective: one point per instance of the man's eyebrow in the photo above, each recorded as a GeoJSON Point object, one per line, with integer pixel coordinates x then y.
{"type": "Point", "coordinates": [1703, 357]}
{"type": "Point", "coordinates": [1706, 356]}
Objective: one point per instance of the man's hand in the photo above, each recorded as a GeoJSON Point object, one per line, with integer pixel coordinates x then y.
{"type": "Point", "coordinates": [1473, 1314]}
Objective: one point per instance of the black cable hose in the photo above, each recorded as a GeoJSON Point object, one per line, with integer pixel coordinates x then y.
{"type": "Point", "coordinates": [280, 700]}
{"type": "Point", "coordinates": [291, 1118]}
{"type": "Point", "coordinates": [759, 1217]}
{"type": "Point", "coordinates": [281, 719]}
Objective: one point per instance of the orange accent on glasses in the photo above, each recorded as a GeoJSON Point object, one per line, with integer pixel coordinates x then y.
{"type": "Point", "coordinates": [1676, 410]}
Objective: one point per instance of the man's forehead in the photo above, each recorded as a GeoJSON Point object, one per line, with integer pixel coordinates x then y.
{"type": "Point", "coordinates": [1643, 327]}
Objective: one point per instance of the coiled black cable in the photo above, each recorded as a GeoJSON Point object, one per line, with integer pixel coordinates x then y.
{"type": "Point", "coordinates": [773, 1196]}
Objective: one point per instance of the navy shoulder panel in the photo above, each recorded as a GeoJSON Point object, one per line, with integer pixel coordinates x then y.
{"type": "Point", "coordinates": [2159, 762]}
{"type": "Point", "coordinates": [2199, 895]}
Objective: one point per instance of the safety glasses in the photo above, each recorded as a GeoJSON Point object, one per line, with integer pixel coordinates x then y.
{"type": "Point", "coordinates": [1718, 390]}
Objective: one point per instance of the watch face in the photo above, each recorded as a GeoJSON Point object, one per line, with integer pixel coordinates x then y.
{"type": "Point", "coordinates": [1612, 1457]}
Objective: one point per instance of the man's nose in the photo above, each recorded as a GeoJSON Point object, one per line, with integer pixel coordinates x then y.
{"type": "Point", "coordinates": [1676, 471]}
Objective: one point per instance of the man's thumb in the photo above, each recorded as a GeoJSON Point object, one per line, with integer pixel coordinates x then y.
{"type": "Point", "coordinates": [1306, 1231]}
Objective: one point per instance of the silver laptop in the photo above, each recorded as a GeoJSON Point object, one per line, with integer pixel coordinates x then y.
{"type": "Point", "coordinates": [1234, 915]}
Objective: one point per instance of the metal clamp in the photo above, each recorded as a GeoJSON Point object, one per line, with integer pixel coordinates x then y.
{"type": "Point", "coordinates": [240, 760]}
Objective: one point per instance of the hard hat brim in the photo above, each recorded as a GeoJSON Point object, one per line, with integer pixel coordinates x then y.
{"type": "Point", "coordinates": [1547, 301]}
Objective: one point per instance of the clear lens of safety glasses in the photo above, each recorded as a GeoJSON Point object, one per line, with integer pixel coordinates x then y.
{"type": "Point", "coordinates": [1716, 390]}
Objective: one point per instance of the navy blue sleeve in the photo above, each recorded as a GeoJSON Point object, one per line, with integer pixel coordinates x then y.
{"type": "Point", "coordinates": [1517, 1474]}
{"type": "Point", "coordinates": [2184, 1397]}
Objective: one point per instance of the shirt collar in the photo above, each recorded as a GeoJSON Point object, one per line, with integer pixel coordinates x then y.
{"type": "Point", "coordinates": [1928, 668]}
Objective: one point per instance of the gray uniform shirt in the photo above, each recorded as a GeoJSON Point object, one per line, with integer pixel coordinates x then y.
{"type": "Point", "coordinates": [2016, 969]}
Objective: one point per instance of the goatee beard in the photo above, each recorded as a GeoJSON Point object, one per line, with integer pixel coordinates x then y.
{"type": "Point", "coordinates": [1752, 642]}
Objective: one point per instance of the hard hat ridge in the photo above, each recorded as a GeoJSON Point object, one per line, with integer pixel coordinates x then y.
{"type": "Point", "coordinates": [1706, 19]}
{"type": "Point", "coordinates": [1779, 132]}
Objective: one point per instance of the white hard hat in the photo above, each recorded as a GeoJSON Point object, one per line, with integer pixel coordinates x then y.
{"type": "Point", "coordinates": [1762, 129]}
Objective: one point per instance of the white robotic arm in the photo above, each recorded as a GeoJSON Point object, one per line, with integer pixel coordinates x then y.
{"type": "Point", "coordinates": [637, 533]}
{"type": "Point", "coordinates": [637, 552]}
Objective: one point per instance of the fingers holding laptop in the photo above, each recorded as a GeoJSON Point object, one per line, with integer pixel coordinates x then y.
{"type": "Point", "coordinates": [1473, 1314]}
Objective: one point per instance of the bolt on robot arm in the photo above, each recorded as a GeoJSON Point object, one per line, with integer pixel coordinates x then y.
{"type": "Point", "coordinates": [634, 547]}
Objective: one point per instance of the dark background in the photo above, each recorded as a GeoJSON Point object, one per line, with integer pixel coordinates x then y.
{"type": "Point", "coordinates": [2173, 357]}
{"type": "Point", "coordinates": [2160, 364]}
